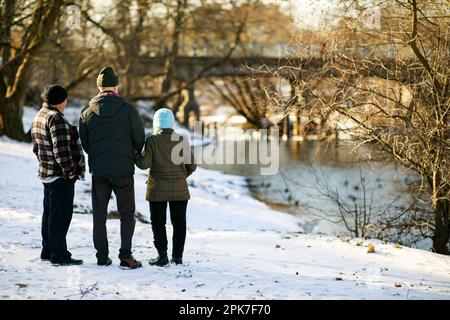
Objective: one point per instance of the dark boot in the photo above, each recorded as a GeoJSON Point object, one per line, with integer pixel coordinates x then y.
{"type": "Point", "coordinates": [45, 255]}
{"type": "Point", "coordinates": [105, 262]}
{"type": "Point", "coordinates": [130, 263]}
{"type": "Point", "coordinates": [176, 260]}
{"type": "Point", "coordinates": [161, 261]}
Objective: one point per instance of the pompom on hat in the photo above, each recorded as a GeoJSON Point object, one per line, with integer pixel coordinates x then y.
{"type": "Point", "coordinates": [163, 119]}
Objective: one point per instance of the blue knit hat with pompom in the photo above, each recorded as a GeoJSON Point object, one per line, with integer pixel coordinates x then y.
{"type": "Point", "coordinates": [163, 119]}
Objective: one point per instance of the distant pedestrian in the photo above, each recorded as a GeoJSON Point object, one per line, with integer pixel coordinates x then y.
{"type": "Point", "coordinates": [61, 163]}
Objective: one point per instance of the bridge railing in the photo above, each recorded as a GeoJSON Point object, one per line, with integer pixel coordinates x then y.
{"type": "Point", "coordinates": [281, 50]}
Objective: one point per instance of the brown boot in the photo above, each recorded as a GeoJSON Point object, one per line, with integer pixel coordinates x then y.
{"type": "Point", "coordinates": [130, 263]}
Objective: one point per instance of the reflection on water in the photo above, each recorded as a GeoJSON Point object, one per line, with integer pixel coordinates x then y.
{"type": "Point", "coordinates": [292, 154]}
{"type": "Point", "coordinates": [309, 172]}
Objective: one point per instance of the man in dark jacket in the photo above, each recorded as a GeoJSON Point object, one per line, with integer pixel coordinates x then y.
{"type": "Point", "coordinates": [110, 130]}
{"type": "Point", "coordinates": [61, 163]}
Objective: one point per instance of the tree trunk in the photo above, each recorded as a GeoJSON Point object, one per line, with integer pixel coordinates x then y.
{"type": "Point", "coordinates": [11, 120]}
{"type": "Point", "coordinates": [286, 127]}
{"type": "Point", "coordinates": [169, 64]}
{"type": "Point", "coordinates": [15, 71]}
{"type": "Point", "coordinates": [442, 227]}
{"type": "Point", "coordinates": [11, 108]}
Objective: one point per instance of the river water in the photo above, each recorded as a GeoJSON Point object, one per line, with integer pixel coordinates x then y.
{"type": "Point", "coordinates": [315, 179]}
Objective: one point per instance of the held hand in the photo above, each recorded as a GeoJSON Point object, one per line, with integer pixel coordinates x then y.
{"type": "Point", "coordinates": [137, 155]}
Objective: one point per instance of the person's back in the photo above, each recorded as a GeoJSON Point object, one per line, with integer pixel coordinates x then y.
{"type": "Point", "coordinates": [110, 131]}
{"type": "Point", "coordinates": [167, 179]}
{"type": "Point", "coordinates": [170, 159]}
{"type": "Point", "coordinates": [61, 163]}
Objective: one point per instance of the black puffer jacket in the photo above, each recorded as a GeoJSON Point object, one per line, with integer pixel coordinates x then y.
{"type": "Point", "coordinates": [110, 130]}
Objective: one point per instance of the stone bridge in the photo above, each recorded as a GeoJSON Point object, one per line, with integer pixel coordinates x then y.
{"type": "Point", "coordinates": [292, 68]}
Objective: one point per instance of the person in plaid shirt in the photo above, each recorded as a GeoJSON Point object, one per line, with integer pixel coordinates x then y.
{"type": "Point", "coordinates": [61, 162]}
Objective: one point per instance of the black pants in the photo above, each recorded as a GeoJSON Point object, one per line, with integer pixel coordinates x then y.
{"type": "Point", "coordinates": [178, 219]}
{"type": "Point", "coordinates": [123, 188]}
{"type": "Point", "coordinates": [58, 211]}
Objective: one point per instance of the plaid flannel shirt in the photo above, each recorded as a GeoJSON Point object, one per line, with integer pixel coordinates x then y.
{"type": "Point", "coordinates": [56, 144]}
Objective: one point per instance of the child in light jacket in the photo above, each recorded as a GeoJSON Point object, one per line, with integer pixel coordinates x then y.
{"type": "Point", "coordinates": [169, 157]}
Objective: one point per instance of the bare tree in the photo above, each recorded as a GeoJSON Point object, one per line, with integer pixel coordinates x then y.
{"type": "Point", "coordinates": [367, 204]}
{"type": "Point", "coordinates": [24, 29]}
{"type": "Point", "coordinates": [127, 27]}
{"type": "Point", "coordinates": [251, 98]}
{"type": "Point", "coordinates": [393, 84]}
{"type": "Point", "coordinates": [178, 19]}
{"type": "Point", "coordinates": [135, 35]}
{"type": "Point", "coordinates": [184, 17]}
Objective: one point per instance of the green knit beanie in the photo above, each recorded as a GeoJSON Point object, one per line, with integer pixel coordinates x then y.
{"type": "Point", "coordinates": [107, 78]}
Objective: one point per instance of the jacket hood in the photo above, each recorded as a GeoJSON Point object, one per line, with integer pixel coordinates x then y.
{"type": "Point", "coordinates": [163, 119]}
{"type": "Point", "coordinates": [106, 106]}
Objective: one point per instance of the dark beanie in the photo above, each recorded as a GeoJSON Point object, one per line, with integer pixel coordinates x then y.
{"type": "Point", "coordinates": [107, 78]}
{"type": "Point", "coordinates": [54, 94]}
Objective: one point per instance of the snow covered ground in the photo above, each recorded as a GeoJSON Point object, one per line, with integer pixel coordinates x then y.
{"type": "Point", "coordinates": [236, 248]}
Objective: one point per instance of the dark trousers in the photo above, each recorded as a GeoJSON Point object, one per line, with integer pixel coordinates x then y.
{"type": "Point", "coordinates": [56, 218]}
{"type": "Point", "coordinates": [123, 188]}
{"type": "Point", "coordinates": [178, 219]}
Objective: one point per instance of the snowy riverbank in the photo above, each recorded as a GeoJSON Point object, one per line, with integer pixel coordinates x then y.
{"type": "Point", "coordinates": [236, 248]}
